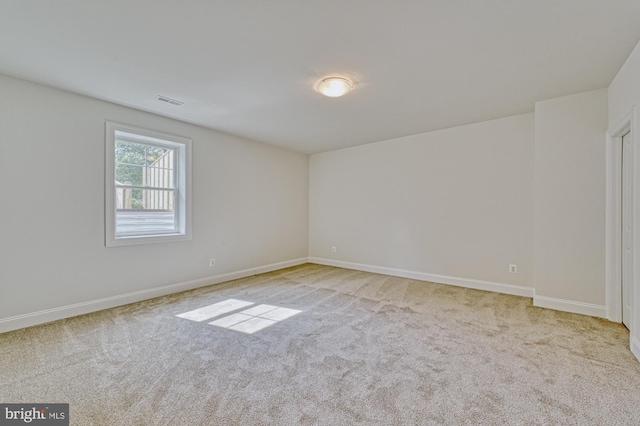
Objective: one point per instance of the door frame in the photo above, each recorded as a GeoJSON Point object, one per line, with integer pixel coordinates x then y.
{"type": "Point", "coordinates": [626, 214]}
{"type": "Point", "coordinates": [613, 250]}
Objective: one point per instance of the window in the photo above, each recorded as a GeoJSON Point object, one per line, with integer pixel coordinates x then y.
{"type": "Point", "coordinates": [147, 191]}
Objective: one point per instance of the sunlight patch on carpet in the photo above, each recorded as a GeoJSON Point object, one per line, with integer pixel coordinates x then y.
{"type": "Point", "coordinates": [214, 310]}
{"type": "Point", "coordinates": [248, 321]}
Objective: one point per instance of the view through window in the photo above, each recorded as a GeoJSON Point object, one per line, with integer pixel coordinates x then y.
{"type": "Point", "coordinates": [145, 188]}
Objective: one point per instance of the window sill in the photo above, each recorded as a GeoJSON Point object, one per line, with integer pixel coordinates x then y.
{"type": "Point", "coordinates": [146, 239]}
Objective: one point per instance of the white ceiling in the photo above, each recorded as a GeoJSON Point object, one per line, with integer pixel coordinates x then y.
{"type": "Point", "coordinates": [247, 67]}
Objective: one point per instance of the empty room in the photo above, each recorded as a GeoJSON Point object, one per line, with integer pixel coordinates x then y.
{"type": "Point", "coordinates": [329, 213]}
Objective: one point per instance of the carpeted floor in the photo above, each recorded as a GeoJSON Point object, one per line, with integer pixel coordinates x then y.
{"type": "Point", "coordinates": [365, 349]}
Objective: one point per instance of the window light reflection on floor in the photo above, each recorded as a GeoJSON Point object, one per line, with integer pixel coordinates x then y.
{"type": "Point", "coordinates": [248, 321]}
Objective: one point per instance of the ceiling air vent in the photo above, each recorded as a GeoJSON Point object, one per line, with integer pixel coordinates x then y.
{"type": "Point", "coordinates": [169, 100]}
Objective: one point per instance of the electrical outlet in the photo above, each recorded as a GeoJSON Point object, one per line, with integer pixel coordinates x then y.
{"type": "Point", "coordinates": [513, 268]}
{"type": "Point", "coordinates": [212, 263]}
{"type": "Point", "coordinates": [334, 250]}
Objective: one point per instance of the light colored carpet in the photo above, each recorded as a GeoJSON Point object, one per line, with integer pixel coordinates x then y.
{"type": "Point", "coordinates": [366, 349]}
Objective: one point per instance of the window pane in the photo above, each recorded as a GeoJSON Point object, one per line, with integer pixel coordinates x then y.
{"type": "Point", "coordinates": [141, 211]}
{"type": "Point", "coordinates": [144, 165]}
{"type": "Point", "coordinates": [159, 173]}
{"type": "Point", "coordinates": [130, 153]}
{"type": "Point", "coordinates": [127, 174]}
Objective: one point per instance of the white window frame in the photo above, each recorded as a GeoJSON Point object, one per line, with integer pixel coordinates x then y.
{"type": "Point", "coordinates": [182, 153]}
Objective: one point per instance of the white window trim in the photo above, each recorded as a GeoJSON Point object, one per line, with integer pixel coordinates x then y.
{"type": "Point", "coordinates": [182, 146]}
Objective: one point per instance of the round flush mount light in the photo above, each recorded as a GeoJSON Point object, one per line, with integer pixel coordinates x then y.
{"type": "Point", "coordinates": [334, 86]}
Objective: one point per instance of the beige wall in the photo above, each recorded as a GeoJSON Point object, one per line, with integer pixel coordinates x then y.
{"type": "Point", "coordinates": [624, 91]}
{"type": "Point", "coordinates": [250, 204]}
{"type": "Point", "coordinates": [570, 198]}
{"type": "Point", "coordinates": [456, 202]}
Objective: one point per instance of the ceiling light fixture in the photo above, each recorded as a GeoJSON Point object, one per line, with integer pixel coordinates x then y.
{"type": "Point", "coordinates": [334, 86]}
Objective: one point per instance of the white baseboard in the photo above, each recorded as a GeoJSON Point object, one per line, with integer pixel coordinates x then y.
{"type": "Point", "coordinates": [67, 311]}
{"type": "Point", "coordinates": [570, 306]}
{"type": "Point", "coordinates": [515, 290]}
{"type": "Point", "coordinates": [48, 315]}
{"type": "Point", "coordinates": [635, 347]}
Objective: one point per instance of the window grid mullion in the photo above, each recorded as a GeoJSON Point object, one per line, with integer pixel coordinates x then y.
{"type": "Point", "coordinates": [144, 188]}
